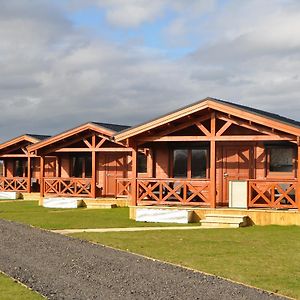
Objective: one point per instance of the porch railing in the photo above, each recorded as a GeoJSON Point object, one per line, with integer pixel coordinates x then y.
{"type": "Point", "coordinates": [13, 184]}
{"type": "Point", "coordinates": [123, 188]}
{"type": "Point", "coordinates": [173, 191]}
{"type": "Point", "coordinates": [272, 193]}
{"type": "Point", "coordinates": [68, 186]}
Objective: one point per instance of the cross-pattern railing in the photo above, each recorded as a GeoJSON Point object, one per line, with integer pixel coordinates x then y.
{"type": "Point", "coordinates": [14, 184]}
{"type": "Point", "coordinates": [123, 187]}
{"type": "Point", "coordinates": [173, 191]}
{"type": "Point", "coordinates": [68, 186]}
{"type": "Point", "coordinates": [272, 193]}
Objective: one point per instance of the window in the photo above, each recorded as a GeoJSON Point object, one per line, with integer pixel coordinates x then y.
{"type": "Point", "coordinates": [141, 163]}
{"type": "Point", "coordinates": [199, 161]}
{"type": "Point", "coordinates": [190, 163]}
{"type": "Point", "coordinates": [281, 159]}
{"type": "Point", "coordinates": [20, 168]}
{"type": "Point", "coordinates": [81, 166]}
{"type": "Point", "coordinates": [180, 163]}
{"type": "Point", "coordinates": [2, 168]}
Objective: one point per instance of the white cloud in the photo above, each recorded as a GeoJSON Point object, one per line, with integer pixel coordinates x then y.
{"type": "Point", "coordinates": [54, 76]}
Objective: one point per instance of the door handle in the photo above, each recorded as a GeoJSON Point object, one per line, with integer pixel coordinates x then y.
{"type": "Point", "coordinates": [225, 175]}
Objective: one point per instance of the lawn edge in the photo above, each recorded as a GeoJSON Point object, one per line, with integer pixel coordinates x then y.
{"type": "Point", "coordinates": [23, 284]}
{"type": "Point", "coordinates": [184, 267]}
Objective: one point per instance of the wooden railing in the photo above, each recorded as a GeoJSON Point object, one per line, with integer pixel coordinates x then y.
{"type": "Point", "coordinates": [68, 186]}
{"type": "Point", "coordinates": [173, 191]}
{"type": "Point", "coordinates": [123, 188]}
{"type": "Point", "coordinates": [14, 184]}
{"type": "Point", "coordinates": [272, 193]}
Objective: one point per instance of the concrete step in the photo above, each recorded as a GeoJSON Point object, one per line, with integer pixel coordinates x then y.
{"type": "Point", "coordinates": [98, 204]}
{"type": "Point", "coordinates": [224, 221]}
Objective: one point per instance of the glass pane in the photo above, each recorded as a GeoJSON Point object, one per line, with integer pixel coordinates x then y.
{"type": "Point", "coordinates": [142, 163]}
{"type": "Point", "coordinates": [77, 166]}
{"type": "Point", "coordinates": [180, 158]}
{"type": "Point", "coordinates": [20, 168]}
{"type": "Point", "coordinates": [199, 160]}
{"type": "Point", "coordinates": [1, 168]}
{"type": "Point", "coordinates": [281, 159]}
{"type": "Point", "coordinates": [88, 166]}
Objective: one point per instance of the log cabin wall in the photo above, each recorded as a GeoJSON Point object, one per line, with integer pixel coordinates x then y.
{"type": "Point", "coordinates": [161, 160]}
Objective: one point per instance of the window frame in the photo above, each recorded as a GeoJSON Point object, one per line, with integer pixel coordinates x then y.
{"type": "Point", "coordinates": [276, 174]}
{"type": "Point", "coordinates": [84, 165]}
{"type": "Point", "coordinates": [189, 161]}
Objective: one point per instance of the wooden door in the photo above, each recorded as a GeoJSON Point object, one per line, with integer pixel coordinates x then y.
{"type": "Point", "coordinates": [115, 167]}
{"type": "Point", "coordinates": [237, 165]}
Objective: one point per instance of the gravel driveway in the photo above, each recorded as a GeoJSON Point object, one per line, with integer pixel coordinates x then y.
{"type": "Point", "coordinates": [60, 267]}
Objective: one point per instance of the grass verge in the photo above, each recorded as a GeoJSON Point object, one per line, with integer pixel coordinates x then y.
{"type": "Point", "coordinates": [29, 212]}
{"type": "Point", "coordinates": [266, 257]}
{"type": "Point", "coordinates": [12, 290]}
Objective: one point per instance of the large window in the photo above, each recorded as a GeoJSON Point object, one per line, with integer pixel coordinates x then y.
{"type": "Point", "coordinates": [281, 159]}
{"type": "Point", "coordinates": [190, 163]}
{"type": "Point", "coordinates": [81, 166]}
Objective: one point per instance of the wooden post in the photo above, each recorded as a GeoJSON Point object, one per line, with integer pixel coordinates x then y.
{"type": "Point", "coordinates": [298, 174]}
{"type": "Point", "coordinates": [29, 173]}
{"type": "Point", "coordinates": [57, 166]}
{"type": "Point", "coordinates": [42, 171]}
{"type": "Point", "coordinates": [134, 175]}
{"type": "Point", "coordinates": [93, 187]}
{"type": "Point", "coordinates": [213, 161]}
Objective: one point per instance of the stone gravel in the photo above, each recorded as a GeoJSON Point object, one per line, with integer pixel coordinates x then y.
{"type": "Point", "coordinates": [60, 267]}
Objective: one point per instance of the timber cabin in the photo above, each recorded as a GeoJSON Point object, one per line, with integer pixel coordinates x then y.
{"type": "Point", "coordinates": [217, 154]}
{"type": "Point", "coordinates": [87, 161]}
{"type": "Point", "coordinates": [20, 170]}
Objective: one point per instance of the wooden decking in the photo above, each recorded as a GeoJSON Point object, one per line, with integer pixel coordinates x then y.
{"type": "Point", "coordinates": [256, 216]}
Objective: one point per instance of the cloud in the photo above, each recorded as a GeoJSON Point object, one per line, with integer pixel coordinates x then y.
{"type": "Point", "coordinates": [55, 74]}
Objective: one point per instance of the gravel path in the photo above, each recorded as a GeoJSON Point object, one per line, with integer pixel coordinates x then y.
{"type": "Point", "coordinates": [61, 267]}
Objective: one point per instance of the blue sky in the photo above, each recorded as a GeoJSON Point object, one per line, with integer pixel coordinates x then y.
{"type": "Point", "coordinates": [63, 62]}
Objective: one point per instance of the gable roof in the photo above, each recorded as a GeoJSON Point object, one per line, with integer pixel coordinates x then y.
{"type": "Point", "coordinates": [114, 127]}
{"type": "Point", "coordinates": [105, 129]}
{"type": "Point", "coordinates": [256, 115]}
{"type": "Point", "coordinates": [31, 138]}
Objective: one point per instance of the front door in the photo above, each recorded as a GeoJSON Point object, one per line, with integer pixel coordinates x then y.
{"type": "Point", "coordinates": [237, 165]}
{"type": "Point", "coordinates": [115, 167]}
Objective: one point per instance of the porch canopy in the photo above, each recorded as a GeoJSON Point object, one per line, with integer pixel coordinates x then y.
{"type": "Point", "coordinates": [75, 152]}
{"type": "Point", "coordinates": [236, 143]}
{"type": "Point", "coordinates": [16, 174]}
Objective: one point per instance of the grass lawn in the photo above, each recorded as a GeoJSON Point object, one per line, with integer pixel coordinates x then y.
{"type": "Point", "coordinates": [49, 218]}
{"type": "Point", "coordinates": [267, 257]}
{"type": "Point", "coordinates": [12, 290]}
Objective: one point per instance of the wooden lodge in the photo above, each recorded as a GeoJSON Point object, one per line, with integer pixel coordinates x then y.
{"type": "Point", "coordinates": [88, 162]}
{"type": "Point", "coordinates": [217, 154]}
{"type": "Point", "coordinates": [211, 154]}
{"type": "Point", "coordinates": [20, 170]}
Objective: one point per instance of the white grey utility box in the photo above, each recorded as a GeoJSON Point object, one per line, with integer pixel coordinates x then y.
{"type": "Point", "coordinates": [238, 193]}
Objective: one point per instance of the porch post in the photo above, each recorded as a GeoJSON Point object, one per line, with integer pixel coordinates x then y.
{"type": "Point", "coordinates": [134, 175]}
{"type": "Point", "coordinates": [42, 171]}
{"type": "Point", "coordinates": [93, 187]}
{"type": "Point", "coordinates": [213, 161]}
{"type": "Point", "coordinates": [298, 174]}
{"type": "Point", "coordinates": [29, 173]}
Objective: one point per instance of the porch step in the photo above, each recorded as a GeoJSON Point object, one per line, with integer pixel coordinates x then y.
{"type": "Point", "coordinates": [224, 221]}
{"type": "Point", "coordinates": [98, 204]}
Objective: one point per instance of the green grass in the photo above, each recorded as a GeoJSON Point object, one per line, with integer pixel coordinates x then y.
{"type": "Point", "coordinates": [29, 212]}
{"type": "Point", "coordinates": [12, 290]}
{"type": "Point", "coordinates": [267, 257]}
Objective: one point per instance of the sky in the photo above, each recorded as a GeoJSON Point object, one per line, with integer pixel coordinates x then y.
{"type": "Point", "coordinates": [63, 63]}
